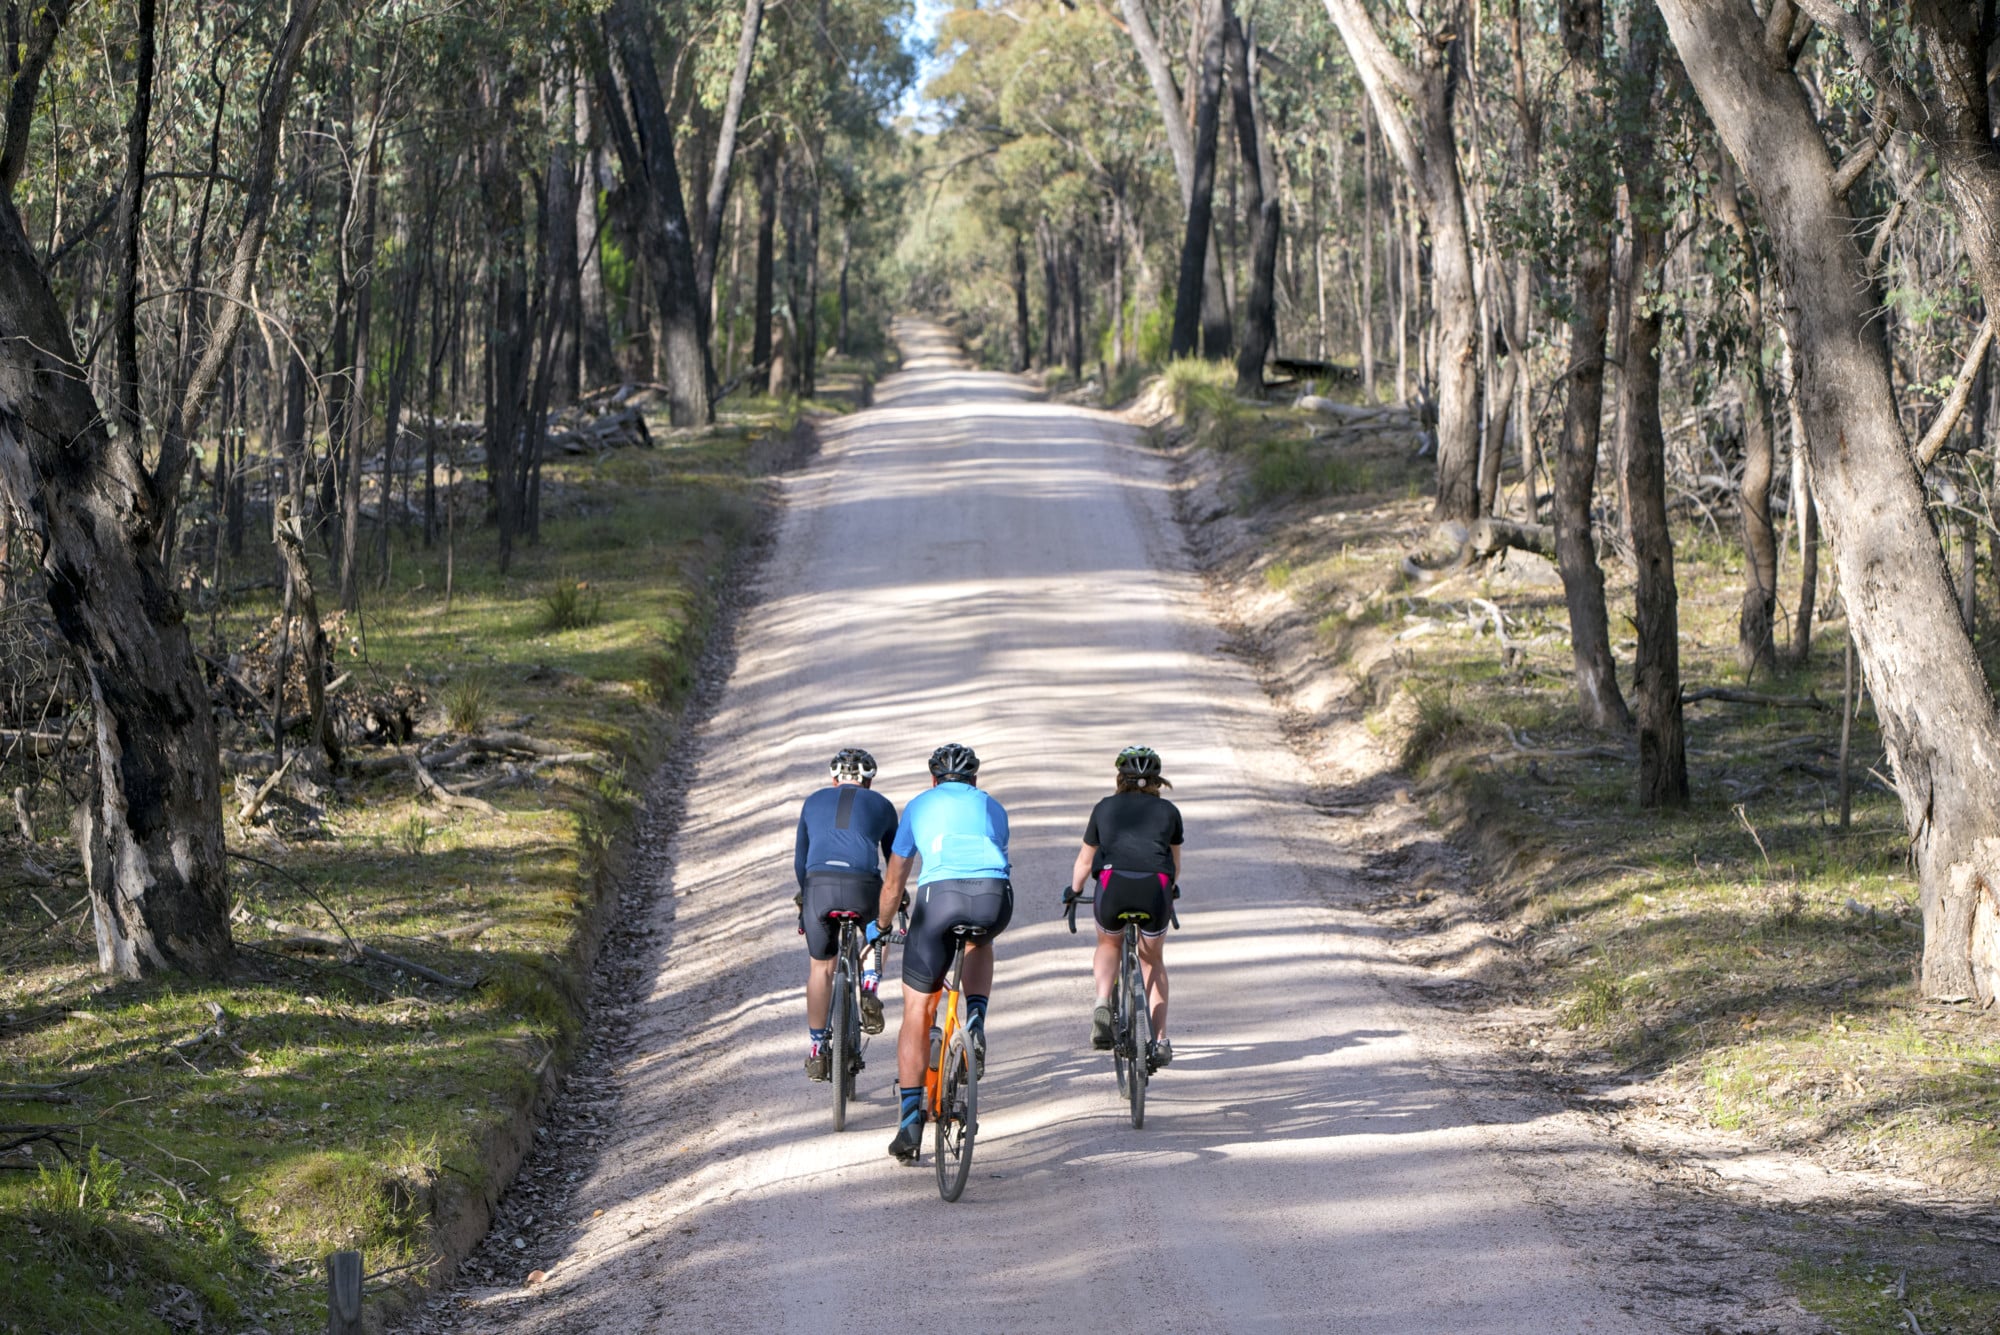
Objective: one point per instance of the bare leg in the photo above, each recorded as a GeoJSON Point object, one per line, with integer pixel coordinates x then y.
{"type": "Point", "coordinates": [819, 991]}
{"type": "Point", "coordinates": [1153, 958]}
{"type": "Point", "coordinates": [913, 1040]}
{"type": "Point", "coordinates": [1104, 965]}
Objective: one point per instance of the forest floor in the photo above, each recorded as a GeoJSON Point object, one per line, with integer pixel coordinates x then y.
{"type": "Point", "coordinates": [181, 1156]}
{"type": "Point", "coordinates": [1728, 990]}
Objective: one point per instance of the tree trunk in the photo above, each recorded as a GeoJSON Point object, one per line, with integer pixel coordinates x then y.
{"type": "Point", "coordinates": [357, 384]}
{"type": "Point", "coordinates": [1260, 203]}
{"type": "Point", "coordinates": [1598, 700]}
{"type": "Point", "coordinates": [1073, 280]}
{"type": "Point", "coordinates": [1656, 672]}
{"type": "Point", "coordinates": [151, 829]}
{"type": "Point", "coordinates": [767, 228]}
{"type": "Point", "coordinates": [1454, 294]}
{"type": "Point", "coordinates": [642, 132]}
{"type": "Point", "coordinates": [1024, 336]}
{"type": "Point", "coordinates": [1190, 334]}
{"type": "Point", "coordinates": [725, 152]}
{"type": "Point", "coordinates": [304, 608]}
{"type": "Point", "coordinates": [1931, 695]}
{"type": "Point", "coordinates": [1180, 145]}
{"type": "Point", "coordinates": [1430, 161]}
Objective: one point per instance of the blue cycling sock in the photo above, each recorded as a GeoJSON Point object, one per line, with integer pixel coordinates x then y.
{"type": "Point", "coordinates": [975, 1009]}
{"type": "Point", "coordinates": [820, 1035]}
{"type": "Point", "coordinates": [913, 1104]}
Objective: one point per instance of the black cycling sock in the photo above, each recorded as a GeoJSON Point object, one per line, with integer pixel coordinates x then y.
{"type": "Point", "coordinates": [913, 1105]}
{"type": "Point", "coordinates": [975, 1009]}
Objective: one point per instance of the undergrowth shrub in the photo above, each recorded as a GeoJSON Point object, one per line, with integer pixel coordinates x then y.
{"type": "Point", "coordinates": [1439, 725]}
{"type": "Point", "coordinates": [571, 604]}
{"type": "Point", "coordinates": [1287, 467]}
{"type": "Point", "coordinates": [1204, 396]}
{"type": "Point", "coordinates": [468, 702]}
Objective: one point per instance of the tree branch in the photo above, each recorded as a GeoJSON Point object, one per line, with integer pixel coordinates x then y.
{"type": "Point", "coordinates": [1948, 415]}
{"type": "Point", "coordinates": [1381, 74]}
{"type": "Point", "coordinates": [185, 415]}
{"type": "Point", "coordinates": [27, 85]}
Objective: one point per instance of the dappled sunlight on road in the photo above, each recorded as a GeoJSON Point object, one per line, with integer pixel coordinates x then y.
{"type": "Point", "coordinates": [1006, 574]}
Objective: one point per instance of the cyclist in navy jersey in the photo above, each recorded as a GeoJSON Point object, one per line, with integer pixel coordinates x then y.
{"type": "Point", "coordinates": [1132, 854]}
{"type": "Point", "coordinates": [845, 829]}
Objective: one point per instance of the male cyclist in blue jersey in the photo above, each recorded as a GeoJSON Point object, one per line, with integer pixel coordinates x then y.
{"type": "Point", "coordinates": [843, 829]}
{"type": "Point", "coordinates": [957, 838]}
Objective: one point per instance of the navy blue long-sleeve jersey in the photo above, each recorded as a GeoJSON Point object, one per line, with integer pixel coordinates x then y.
{"type": "Point", "coordinates": [847, 829]}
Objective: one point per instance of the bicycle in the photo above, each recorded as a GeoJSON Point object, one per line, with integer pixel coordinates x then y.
{"type": "Point", "coordinates": [1131, 1010]}
{"type": "Point", "coordinates": [951, 1083]}
{"type": "Point", "coordinates": [845, 1039]}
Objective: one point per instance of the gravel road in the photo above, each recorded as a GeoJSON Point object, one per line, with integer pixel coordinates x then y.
{"type": "Point", "coordinates": [963, 562]}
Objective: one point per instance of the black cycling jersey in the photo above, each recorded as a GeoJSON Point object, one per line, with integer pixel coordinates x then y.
{"type": "Point", "coordinates": [1134, 832]}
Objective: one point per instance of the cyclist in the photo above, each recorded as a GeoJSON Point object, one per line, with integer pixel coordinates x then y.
{"type": "Point", "coordinates": [957, 837]}
{"type": "Point", "coordinates": [1132, 850]}
{"type": "Point", "coordinates": [844, 828]}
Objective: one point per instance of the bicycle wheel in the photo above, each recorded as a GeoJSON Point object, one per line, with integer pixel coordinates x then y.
{"type": "Point", "coordinates": [1139, 1026]}
{"type": "Point", "coordinates": [839, 1016]}
{"type": "Point", "coordinates": [958, 1120]}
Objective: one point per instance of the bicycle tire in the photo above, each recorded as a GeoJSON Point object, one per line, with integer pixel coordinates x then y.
{"type": "Point", "coordinates": [958, 1121]}
{"type": "Point", "coordinates": [838, 1019]}
{"type": "Point", "coordinates": [1139, 1031]}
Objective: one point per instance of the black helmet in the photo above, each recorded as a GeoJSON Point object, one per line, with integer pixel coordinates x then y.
{"type": "Point", "coordinates": [1139, 762]}
{"type": "Point", "coordinates": [852, 765]}
{"type": "Point", "coordinates": [952, 761]}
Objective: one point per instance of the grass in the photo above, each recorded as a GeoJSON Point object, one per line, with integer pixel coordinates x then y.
{"type": "Point", "coordinates": [1859, 1296]}
{"type": "Point", "coordinates": [1746, 958]}
{"type": "Point", "coordinates": [182, 1181]}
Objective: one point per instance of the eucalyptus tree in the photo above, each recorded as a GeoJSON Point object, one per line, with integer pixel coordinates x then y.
{"type": "Point", "coordinates": [151, 829]}
{"type": "Point", "coordinates": [1427, 83]}
{"type": "Point", "coordinates": [1930, 692]}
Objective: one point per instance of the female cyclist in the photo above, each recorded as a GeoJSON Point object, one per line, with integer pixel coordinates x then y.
{"type": "Point", "coordinates": [1132, 852]}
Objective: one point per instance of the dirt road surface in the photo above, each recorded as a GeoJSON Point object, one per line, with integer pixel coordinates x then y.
{"type": "Point", "coordinates": [966, 563]}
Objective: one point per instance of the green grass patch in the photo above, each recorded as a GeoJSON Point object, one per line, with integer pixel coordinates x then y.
{"type": "Point", "coordinates": [185, 1177]}
{"type": "Point", "coordinates": [1859, 1296]}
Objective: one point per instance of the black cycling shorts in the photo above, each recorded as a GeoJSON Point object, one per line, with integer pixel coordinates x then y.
{"type": "Point", "coordinates": [1133, 892]}
{"type": "Point", "coordinates": [836, 892]}
{"type": "Point", "coordinates": [937, 908]}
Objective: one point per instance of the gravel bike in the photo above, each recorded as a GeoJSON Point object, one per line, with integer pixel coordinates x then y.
{"type": "Point", "coordinates": [845, 1039]}
{"type": "Point", "coordinates": [1131, 1010]}
{"type": "Point", "coordinates": [951, 1084]}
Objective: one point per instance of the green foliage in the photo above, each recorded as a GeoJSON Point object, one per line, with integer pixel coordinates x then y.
{"type": "Point", "coordinates": [1439, 724]}
{"type": "Point", "coordinates": [571, 604]}
{"type": "Point", "coordinates": [468, 702]}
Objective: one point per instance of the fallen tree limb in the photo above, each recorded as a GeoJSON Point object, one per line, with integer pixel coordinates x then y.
{"type": "Point", "coordinates": [1490, 536]}
{"type": "Point", "coordinates": [1731, 696]}
{"type": "Point", "coordinates": [444, 796]}
{"type": "Point", "coordinates": [299, 940]}
{"type": "Point", "coordinates": [255, 806]}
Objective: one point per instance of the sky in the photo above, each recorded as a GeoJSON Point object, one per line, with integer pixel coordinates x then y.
{"type": "Point", "coordinates": [925, 16]}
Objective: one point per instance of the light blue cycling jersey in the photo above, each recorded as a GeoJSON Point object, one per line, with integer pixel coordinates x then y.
{"type": "Point", "coordinates": [960, 832]}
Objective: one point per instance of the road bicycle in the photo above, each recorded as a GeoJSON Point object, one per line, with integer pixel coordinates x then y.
{"type": "Point", "coordinates": [845, 1039]}
{"type": "Point", "coordinates": [1131, 1010]}
{"type": "Point", "coordinates": [951, 1084]}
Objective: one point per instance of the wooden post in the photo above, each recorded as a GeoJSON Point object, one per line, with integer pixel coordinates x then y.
{"type": "Point", "coordinates": [343, 1293]}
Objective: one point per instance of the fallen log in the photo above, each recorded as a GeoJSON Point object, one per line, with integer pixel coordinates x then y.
{"type": "Point", "coordinates": [1487, 537]}
{"type": "Point", "coordinates": [1731, 696]}
{"type": "Point", "coordinates": [301, 941]}
{"type": "Point", "coordinates": [444, 796]}
{"type": "Point", "coordinates": [1353, 412]}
